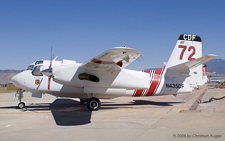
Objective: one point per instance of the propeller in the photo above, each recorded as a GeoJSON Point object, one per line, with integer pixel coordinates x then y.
{"type": "Point", "coordinates": [48, 72]}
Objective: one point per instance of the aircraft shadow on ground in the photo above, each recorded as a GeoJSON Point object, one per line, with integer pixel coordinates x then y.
{"type": "Point", "coordinates": [69, 112]}
{"type": "Point", "coordinates": [31, 107]}
{"type": "Point", "coordinates": [66, 112]}
{"type": "Point", "coordinates": [143, 102]}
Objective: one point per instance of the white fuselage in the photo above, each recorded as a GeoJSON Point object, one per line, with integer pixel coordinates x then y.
{"type": "Point", "coordinates": [113, 83]}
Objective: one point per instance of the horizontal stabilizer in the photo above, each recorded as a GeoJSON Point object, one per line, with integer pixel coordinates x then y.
{"type": "Point", "coordinates": [193, 63]}
{"type": "Point", "coordinates": [209, 73]}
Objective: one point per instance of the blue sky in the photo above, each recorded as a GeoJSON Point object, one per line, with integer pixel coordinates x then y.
{"type": "Point", "coordinates": [81, 29]}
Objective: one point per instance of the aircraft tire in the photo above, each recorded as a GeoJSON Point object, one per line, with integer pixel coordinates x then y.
{"type": "Point", "coordinates": [93, 104]}
{"type": "Point", "coordinates": [21, 105]}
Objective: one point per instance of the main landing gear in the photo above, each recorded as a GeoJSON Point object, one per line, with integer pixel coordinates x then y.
{"type": "Point", "coordinates": [19, 95]}
{"type": "Point", "coordinates": [93, 104]}
{"type": "Point", "coordinates": [83, 101]}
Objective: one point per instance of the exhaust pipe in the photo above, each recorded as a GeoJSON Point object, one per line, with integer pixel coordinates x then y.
{"type": "Point", "coordinates": [89, 77]}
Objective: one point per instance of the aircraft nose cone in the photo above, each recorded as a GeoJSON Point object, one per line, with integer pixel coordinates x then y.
{"type": "Point", "coordinates": [19, 79]}
{"type": "Point", "coordinates": [16, 80]}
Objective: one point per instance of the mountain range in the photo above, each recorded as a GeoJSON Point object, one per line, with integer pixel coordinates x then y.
{"type": "Point", "coordinates": [215, 65]}
{"type": "Point", "coordinates": [6, 75]}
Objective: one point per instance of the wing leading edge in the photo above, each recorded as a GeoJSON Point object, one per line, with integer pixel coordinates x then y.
{"type": "Point", "coordinates": [115, 58]}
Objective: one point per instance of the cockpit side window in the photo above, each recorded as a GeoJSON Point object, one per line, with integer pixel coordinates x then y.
{"type": "Point", "coordinates": [37, 70]}
{"type": "Point", "coordinates": [30, 67]}
{"type": "Point", "coordinates": [39, 62]}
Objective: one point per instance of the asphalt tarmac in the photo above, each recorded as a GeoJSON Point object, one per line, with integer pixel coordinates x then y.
{"type": "Point", "coordinates": [160, 118]}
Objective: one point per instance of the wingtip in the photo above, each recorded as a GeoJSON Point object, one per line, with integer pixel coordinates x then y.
{"type": "Point", "coordinates": [212, 55]}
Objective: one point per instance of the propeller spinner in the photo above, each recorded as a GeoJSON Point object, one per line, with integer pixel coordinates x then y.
{"type": "Point", "coordinates": [47, 72]}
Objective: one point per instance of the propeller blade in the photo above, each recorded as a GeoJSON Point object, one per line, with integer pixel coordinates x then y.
{"type": "Point", "coordinates": [50, 66]}
{"type": "Point", "coordinates": [49, 82]}
{"type": "Point", "coordinates": [48, 72]}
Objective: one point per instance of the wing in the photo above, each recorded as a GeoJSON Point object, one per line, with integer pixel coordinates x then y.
{"type": "Point", "coordinates": [116, 58]}
{"type": "Point", "coordinates": [193, 63]}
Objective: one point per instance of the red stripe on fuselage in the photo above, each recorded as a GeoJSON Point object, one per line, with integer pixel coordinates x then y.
{"type": "Point", "coordinates": [138, 92]}
{"type": "Point", "coordinates": [155, 82]}
{"type": "Point", "coordinates": [147, 71]}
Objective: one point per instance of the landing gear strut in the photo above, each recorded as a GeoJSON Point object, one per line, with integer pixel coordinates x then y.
{"type": "Point", "coordinates": [93, 104]}
{"type": "Point", "coordinates": [83, 101]}
{"type": "Point", "coordinates": [19, 95]}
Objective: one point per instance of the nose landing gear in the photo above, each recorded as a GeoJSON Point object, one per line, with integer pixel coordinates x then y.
{"type": "Point", "coordinates": [21, 105]}
{"type": "Point", "coordinates": [19, 95]}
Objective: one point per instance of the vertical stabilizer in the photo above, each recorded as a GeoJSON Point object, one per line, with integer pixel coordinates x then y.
{"type": "Point", "coordinates": [178, 73]}
{"type": "Point", "coordinates": [188, 47]}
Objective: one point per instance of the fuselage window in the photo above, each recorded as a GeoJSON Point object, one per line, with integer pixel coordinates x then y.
{"type": "Point", "coordinates": [37, 70]}
{"type": "Point", "coordinates": [30, 67]}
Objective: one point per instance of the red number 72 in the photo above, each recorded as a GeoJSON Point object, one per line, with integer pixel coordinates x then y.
{"type": "Point", "coordinates": [190, 48]}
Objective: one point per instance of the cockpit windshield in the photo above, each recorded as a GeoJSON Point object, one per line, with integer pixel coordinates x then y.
{"type": "Point", "coordinates": [30, 67]}
{"type": "Point", "coordinates": [37, 70]}
{"type": "Point", "coordinates": [39, 62]}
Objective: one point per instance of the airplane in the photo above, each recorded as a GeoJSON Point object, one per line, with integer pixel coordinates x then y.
{"type": "Point", "coordinates": [105, 76]}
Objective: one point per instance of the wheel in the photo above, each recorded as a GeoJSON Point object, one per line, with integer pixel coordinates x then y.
{"type": "Point", "coordinates": [83, 101]}
{"type": "Point", "coordinates": [21, 105]}
{"type": "Point", "coordinates": [93, 104]}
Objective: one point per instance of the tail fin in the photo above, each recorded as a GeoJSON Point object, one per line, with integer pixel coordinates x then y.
{"type": "Point", "coordinates": [183, 71]}
{"type": "Point", "coordinates": [188, 47]}
{"type": "Point", "coordinates": [186, 59]}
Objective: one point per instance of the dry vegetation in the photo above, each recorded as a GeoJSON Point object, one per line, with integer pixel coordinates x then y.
{"type": "Point", "coordinates": [4, 90]}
